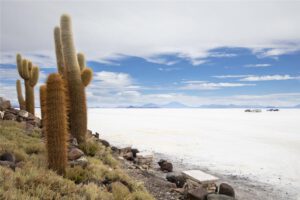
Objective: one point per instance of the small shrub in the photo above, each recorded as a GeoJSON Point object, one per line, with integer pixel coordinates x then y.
{"type": "Point", "coordinates": [119, 191]}
{"type": "Point", "coordinates": [90, 147]}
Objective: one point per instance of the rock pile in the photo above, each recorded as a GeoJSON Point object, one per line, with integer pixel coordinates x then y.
{"type": "Point", "coordinates": [7, 112]}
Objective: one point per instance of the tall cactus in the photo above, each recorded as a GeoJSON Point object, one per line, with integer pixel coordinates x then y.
{"type": "Point", "coordinates": [30, 74]}
{"type": "Point", "coordinates": [55, 123]}
{"type": "Point", "coordinates": [76, 77]}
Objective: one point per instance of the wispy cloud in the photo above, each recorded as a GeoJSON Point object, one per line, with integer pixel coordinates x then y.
{"type": "Point", "coordinates": [230, 76]}
{"type": "Point", "coordinates": [202, 85]}
{"type": "Point", "coordinates": [262, 65]}
{"type": "Point", "coordinates": [169, 69]}
{"type": "Point", "coordinates": [270, 78]}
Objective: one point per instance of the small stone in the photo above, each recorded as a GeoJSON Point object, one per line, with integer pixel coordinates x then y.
{"type": "Point", "coordinates": [128, 156]}
{"type": "Point", "coordinates": [1, 114]}
{"type": "Point", "coordinates": [74, 142]}
{"type": "Point", "coordinates": [75, 153]}
{"type": "Point", "coordinates": [165, 165]}
{"type": "Point", "coordinates": [97, 135]}
{"type": "Point", "coordinates": [83, 162]}
{"type": "Point", "coordinates": [104, 142]}
{"type": "Point", "coordinates": [23, 113]}
{"type": "Point", "coordinates": [176, 178]}
{"type": "Point", "coordinates": [197, 194]}
{"type": "Point", "coordinates": [134, 152]}
{"type": "Point", "coordinates": [226, 189]}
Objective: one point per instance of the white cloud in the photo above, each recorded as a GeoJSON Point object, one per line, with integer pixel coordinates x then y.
{"type": "Point", "coordinates": [262, 65]}
{"type": "Point", "coordinates": [169, 69]}
{"type": "Point", "coordinates": [230, 76]}
{"type": "Point", "coordinates": [112, 80]}
{"type": "Point", "coordinates": [200, 85]}
{"type": "Point", "coordinates": [189, 29]}
{"type": "Point", "coordinates": [270, 78]}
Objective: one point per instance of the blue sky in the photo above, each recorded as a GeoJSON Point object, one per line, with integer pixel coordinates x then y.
{"type": "Point", "coordinates": [246, 53]}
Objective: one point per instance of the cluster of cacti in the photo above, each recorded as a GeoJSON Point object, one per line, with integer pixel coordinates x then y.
{"type": "Point", "coordinates": [62, 99]}
{"type": "Point", "coordinates": [76, 77]}
{"type": "Point", "coordinates": [55, 122]}
{"type": "Point", "coordinates": [30, 74]}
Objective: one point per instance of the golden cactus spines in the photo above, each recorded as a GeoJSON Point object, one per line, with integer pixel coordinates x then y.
{"type": "Point", "coordinates": [34, 77]}
{"type": "Point", "coordinates": [59, 51]}
{"type": "Point", "coordinates": [78, 107]}
{"type": "Point", "coordinates": [86, 76]}
{"type": "Point", "coordinates": [43, 93]}
{"type": "Point", "coordinates": [56, 124]}
{"type": "Point", "coordinates": [20, 95]}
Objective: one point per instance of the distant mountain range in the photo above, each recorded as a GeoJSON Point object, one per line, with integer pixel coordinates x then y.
{"type": "Point", "coordinates": [180, 105]}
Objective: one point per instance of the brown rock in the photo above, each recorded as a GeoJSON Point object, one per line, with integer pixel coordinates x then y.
{"type": "Point", "coordinates": [9, 116]}
{"type": "Point", "coordinates": [75, 153]}
{"type": "Point", "coordinates": [197, 194]}
{"type": "Point", "coordinates": [104, 142]}
{"type": "Point", "coordinates": [7, 157]}
{"type": "Point", "coordinates": [226, 189]}
{"type": "Point", "coordinates": [128, 156]}
{"type": "Point", "coordinates": [165, 166]}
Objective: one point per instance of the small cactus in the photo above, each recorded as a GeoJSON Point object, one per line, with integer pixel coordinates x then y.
{"type": "Point", "coordinates": [55, 121]}
{"type": "Point", "coordinates": [30, 74]}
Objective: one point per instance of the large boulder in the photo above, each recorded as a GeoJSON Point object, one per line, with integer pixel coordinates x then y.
{"type": "Point", "coordinates": [219, 197]}
{"type": "Point", "coordinates": [4, 104]}
{"type": "Point", "coordinates": [176, 178]}
{"type": "Point", "coordinates": [226, 189]}
{"type": "Point", "coordinates": [199, 193]}
{"type": "Point", "coordinates": [165, 165]}
{"type": "Point", "coordinates": [75, 153]}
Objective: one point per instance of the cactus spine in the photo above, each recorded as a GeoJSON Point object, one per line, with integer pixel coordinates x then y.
{"type": "Point", "coordinates": [55, 123]}
{"type": "Point", "coordinates": [30, 74]}
{"type": "Point", "coordinates": [76, 76]}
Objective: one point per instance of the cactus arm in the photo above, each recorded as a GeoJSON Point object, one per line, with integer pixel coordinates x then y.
{"type": "Point", "coordinates": [20, 65]}
{"type": "Point", "coordinates": [86, 76]}
{"type": "Point", "coordinates": [34, 76]}
{"type": "Point", "coordinates": [25, 69]}
{"type": "Point", "coordinates": [56, 126]}
{"type": "Point", "coordinates": [59, 51]}
{"type": "Point", "coordinates": [20, 95]}
{"type": "Point", "coordinates": [81, 61]}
